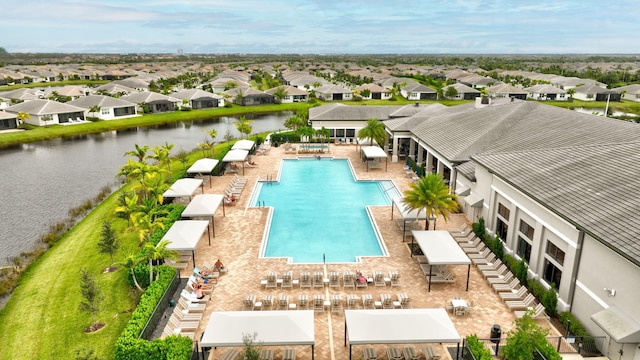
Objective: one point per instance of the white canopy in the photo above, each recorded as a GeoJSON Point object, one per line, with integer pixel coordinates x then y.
{"type": "Point", "coordinates": [373, 152]}
{"type": "Point", "coordinates": [273, 328]}
{"type": "Point", "coordinates": [440, 248]}
{"type": "Point", "coordinates": [235, 155]}
{"type": "Point", "coordinates": [399, 326]}
{"type": "Point", "coordinates": [408, 214]}
{"type": "Point", "coordinates": [204, 205]}
{"type": "Point", "coordinates": [203, 166]}
{"type": "Point", "coordinates": [243, 145]}
{"type": "Point", "coordinates": [184, 235]}
{"type": "Point", "coordinates": [183, 187]}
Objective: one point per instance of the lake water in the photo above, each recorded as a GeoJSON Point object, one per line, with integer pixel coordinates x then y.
{"type": "Point", "coordinates": [42, 181]}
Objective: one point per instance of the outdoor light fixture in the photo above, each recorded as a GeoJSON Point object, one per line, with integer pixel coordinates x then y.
{"type": "Point", "coordinates": [610, 292]}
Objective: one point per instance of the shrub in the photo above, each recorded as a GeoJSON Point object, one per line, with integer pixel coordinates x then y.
{"type": "Point", "coordinates": [550, 301]}
{"type": "Point", "coordinates": [573, 325]}
{"type": "Point", "coordinates": [478, 228]}
{"type": "Point", "coordinates": [477, 348]}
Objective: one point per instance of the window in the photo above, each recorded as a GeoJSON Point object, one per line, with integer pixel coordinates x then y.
{"type": "Point", "coordinates": [555, 253]}
{"type": "Point", "coordinates": [552, 274]}
{"type": "Point", "coordinates": [524, 249]}
{"type": "Point", "coordinates": [526, 229]}
{"type": "Point", "coordinates": [351, 133]}
{"type": "Point", "coordinates": [503, 211]}
{"type": "Point", "coordinates": [104, 111]}
{"type": "Point", "coordinates": [339, 132]}
{"type": "Point", "coordinates": [502, 229]}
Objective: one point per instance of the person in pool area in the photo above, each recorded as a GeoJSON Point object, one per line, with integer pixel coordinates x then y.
{"type": "Point", "coordinates": [360, 278]}
{"type": "Point", "coordinates": [218, 265]}
{"type": "Point", "coordinates": [199, 292]}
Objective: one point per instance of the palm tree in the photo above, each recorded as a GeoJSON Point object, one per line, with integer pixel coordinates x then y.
{"type": "Point", "coordinates": [129, 263]}
{"type": "Point", "coordinates": [140, 152]}
{"type": "Point", "coordinates": [243, 125]}
{"type": "Point", "coordinates": [94, 109]}
{"type": "Point", "coordinates": [22, 117]}
{"type": "Point", "coordinates": [432, 194]}
{"type": "Point", "coordinates": [157, 252]}
{"type": "Point", "coordinates": [213, 133]}
{"type": "Point", "coordinates": [374, 130]}
{"type": "Point", "coordinates": [280, 93]}
{"type": "Point", "coordinates": [571, 92]}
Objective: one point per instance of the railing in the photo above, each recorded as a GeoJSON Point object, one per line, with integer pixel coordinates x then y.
{"type": "Point", "coordinates": [162, 305]}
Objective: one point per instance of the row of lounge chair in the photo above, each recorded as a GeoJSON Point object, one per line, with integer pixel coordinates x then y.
{"type": "Point", "coordinates": [498, 275]}
{"type": "Point", "coordinates": [265, 354]}
{"type": "Point", "coordinates": [187, 313]}
{"type": "Point", "coordinates": [317, 302]}
{"type": "Point", "coordinates": [439, 273]}
{"type": "Point", "coordinates": [335, 280]}
{"type": "Point", "coordinates": [404, 353]}
{"type": "Point", "coordinates": [235, 187]}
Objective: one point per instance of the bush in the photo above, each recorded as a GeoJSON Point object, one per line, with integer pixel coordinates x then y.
{"type": "Point", "coordinates": [573, 325]}
{"type": "Point", "coordinates": [478, 228]}
{"type": "Point", "coordinates": [477, 348]}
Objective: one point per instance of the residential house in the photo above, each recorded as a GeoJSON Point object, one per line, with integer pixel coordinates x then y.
{"type": "Point", "coordinates": [19, 95]}
{"type": "Point", "coordinates": [417, 91]}
{"type": "Point", "coordinates": [506, 90]}
{"type": "Point", "coordinates": [293, 94]}
{"type": "Point", "coordinates": [476, 81]}
{"type": "Point", "coordinates": [8, 121]}
{"type": "Point", "coordinates": [376, 92]}
{"type": "Point", "coordinates": [114, 90]}
{"type": "Point", "coordinates": [595, 93]}
{"type": "Point", "coordinates": [247, 96]}
{"type": "Point", "coordinates": [199, 99]}
{"type": "Point", "coordinates": [629, 92]}
{"type": "Point", "coordinates": [343, 121]}
{"type": "Point", "coordinates": [134, 83]}
{"type": "Point", "coordinates": [152, 102]}
{"type": "Point", "coordinates": [463, 92]}
{"type": "Point", "coordinates": [47, 112]}
{"type": "Point", "coordinates": [546, 92]}
{"type": "Point", "coordinates": [223, 84]}
{"type": "Point", "coordinates": [109, 108]}
{"type": "Point", "coordinates": [333, 92]}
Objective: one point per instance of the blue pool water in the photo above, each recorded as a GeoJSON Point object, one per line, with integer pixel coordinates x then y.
{"type": "Point", "coordinates": [320, 209]}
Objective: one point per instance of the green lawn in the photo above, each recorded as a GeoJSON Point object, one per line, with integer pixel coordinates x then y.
{"type": "Point", "coordinates": [42, 320]}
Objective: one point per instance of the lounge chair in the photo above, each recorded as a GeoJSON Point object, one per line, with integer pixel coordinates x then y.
{"type": "Point", "coordinates": [185, 305]}
{"type": "Point", "coordinates": [287, 280]}
{"type": "Point", "coordinates": [501, 271]}
{"type": "Point", "coordinates": [461, 231]}
{"type": "Point", "coordinates": [266, 354]}
{"type": "Point", "coordinates": [494, 264]}
{"type": "Point", "coordinates": [318, 279]}
{"type": "Point", "coordinates": [249, 302]}
{"type": "Point", "coordinates": [305, 279]}
{"type": "Point", "coordinates": [348, 280]}
{"type": "Point", "coordinates": [336, 303]}
{"type": "Point", "coordinates": [387, 301]}
{"type": "Point", "coordinates": [283, 302]}
{"type": "Point", "coordinates": [334, 280]}
{"type": "Point", "coordinates": [303, 302]}
{"type": "Point", "coordinates": [361, 283]}
{"type": "Point", "coordinates": [169, 331]}
{"type": "Point", "coordinates": [538, 312]}
{"type": "Point", "coordinates": [367, 301]}
{"type": "Point", "coordinates": [230, 354]}
{"type": "Point", "coordinates": [369, 353]}
{"type": "Point", "coordinates": [520, 294]}
{"type": "Point", "coordinates": [430, 353]}
{"type": "Point", "coordinates": [187, 316]}
{"type": "Point", "coordinates": [248, 164]}
{"type": "Point", "coordinates": [405, 301]}
{"type": "Point", "coordinates": [267, 302]}
{"type": "Point", "coordinates": [378, 279]}
{"type": "Point", "coordinates": [395, 278]}
{"type": "Point", "coordinates": [318, 303]}
{"type": "Point", "coordinates": [190, 326]}
{"type": "Point", "coordinates": [289, 354]}
{"type": "Point", "coordinates": [521, 304]}
{"type": "Point", "coordinates": [352, 301]}
{"type": "Point", "coordinates": [394, 353]}
{"type": "Point", "coordinates": [501, 280]}
{"type": "Point", "coordinates": [272, 280]}
{"type": "Point", "coordinates": [410, 353]}
{"type": "Point", "coordinates": [502, 287]}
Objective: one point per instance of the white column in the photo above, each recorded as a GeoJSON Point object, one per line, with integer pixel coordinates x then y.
{"type": "Point", "coordinates": [394, 157]}
{"type": "Point", "coordinates": [429, 162]}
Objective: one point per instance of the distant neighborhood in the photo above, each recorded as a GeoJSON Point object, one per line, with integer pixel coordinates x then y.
{"type": "Point", "coordinates": [135, 89]}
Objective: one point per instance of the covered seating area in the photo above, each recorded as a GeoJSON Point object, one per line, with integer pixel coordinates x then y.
{"type": "Point", "coordinates": [398, 326]}
{"type": "Point", "coordinates": [273, 328]}
{"type": "Point", "coordinates": [408, 218]}
{"type": "Point", "coordinates": [236, 155]}
{"type": "Point", "coordinates": [184, 235]}
{"type": "Point", "coordinates": [244, 145]}
{"type": "Point", "coordinates": [183, 188]}
{"type": "Point", "coordinates": [205, 205]}
{"type": "Point", "coordinates": [372, 156]}
{"type": "Point", "coordinates": [440, 249]}
{"type": "Point", "coordinates": [203, 167]}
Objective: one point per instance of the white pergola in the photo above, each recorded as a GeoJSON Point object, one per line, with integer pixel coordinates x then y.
{"type": "Point", "coordinates": [184, 235]}
{"type": "Point", "coordinates": [205, 205]}
{"type": "Point", "coordinates": [236, 155]}
{"type": "Point", "coordinates": [203, 166]}
{"type": "Point", "coordinates": [440, 248]}
{"type": "Point", "coordinates": [398, 326]}
{"type": "Point", "coordinates": [273, 328]}
{"type": "Point", "coordinates": [407, 214]}
{"type": "Point", "coordinates": [373, 153]}
{"type": "Point", "coordinates": [183, 188]}
{"type": "Point", "coordinates": [243, 145]}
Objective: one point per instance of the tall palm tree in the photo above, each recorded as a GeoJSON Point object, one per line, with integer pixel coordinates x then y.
{"type": "Point", "coordinates": [280, 93]}
{"type": "Point", "coordinates": [129, 263]}
{"type": "Point", "coordinates": [94, 109]}
{"type": "Point", "coordinates": [374, 130]}
{"type": "Point", "coordinates": [140, 152]}
{"type": "Point", "coordinates": [243, 125]}
{"type": "Point", "coordinates": [23, 116]}
{"type": "Point", "coordinates": [431, 194]}
{"type": "Point", "coordinates": [213, 134]}
{"type": "Point", "coordinates": [157, 252]}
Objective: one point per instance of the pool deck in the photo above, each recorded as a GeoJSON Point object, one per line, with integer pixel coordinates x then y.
{"type": "Point", "coordinates": [237, 244]}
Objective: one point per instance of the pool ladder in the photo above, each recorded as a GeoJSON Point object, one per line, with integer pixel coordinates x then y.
{"type": "Point", "coordinates": [261, 203]}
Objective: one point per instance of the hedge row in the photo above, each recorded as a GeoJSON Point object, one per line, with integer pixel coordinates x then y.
{"type": "Point", "coordinates": [477, 348]}
{"type": "Point", "coordinates": [548, 297]}
{"type": "Point", "coordinates": [130, 347]}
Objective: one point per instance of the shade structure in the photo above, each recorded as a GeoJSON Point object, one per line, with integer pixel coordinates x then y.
{"type": "Point", "coordinates": [204, 167]}
{"type": "Point", "coordinates": [183, 188]}
{"type": "Point", "coordinates": [236, 155]}
{"type": "Point", "coordinates": [440, 248]}
{"type": "Point", "coordinates": [375, 153]}
{"type": "Point", "coordinates": [184, 235]}
{"type": "Point", "coordinates": [273, 328]}
{"type": "Point", "coordinates": [204, 205]}
{"type": "Point", "coordinates": [407, 214]}
{"type": "Point", "coordinates": [243, 145]}
{"type": "Point", "coordinates": [398, 326]}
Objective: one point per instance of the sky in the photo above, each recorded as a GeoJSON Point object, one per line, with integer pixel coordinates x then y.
{"type": "Point", "coordinates": [321, 27]}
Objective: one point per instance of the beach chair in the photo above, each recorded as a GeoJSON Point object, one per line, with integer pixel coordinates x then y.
{"type": "Point", "coordinates": [410, 353]}
{"type": "Point", "coordinates": [318, 279]}
{"type": "Point", "coordinates": [334, 280]}
{"type": "Point", "coordinates": [369, 353]}
{"type": "Point", "coordinates": [318, 303]}
{"type": "Point", "coordinates": [249, 302]}
{"type": "Point", "coordinates": [348, 280]}
{"type": "Point", "coordinates": [394, 276]}
{"type": "Point", "coordinates": [303, 302]}
{"type": "Point", "coordinates": [336, 303]}
{"type": "Point", "coordinates": [305, 279]}
{"type": "Point", "coordinates": [266, 354]}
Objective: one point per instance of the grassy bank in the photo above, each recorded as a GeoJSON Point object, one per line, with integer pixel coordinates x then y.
{"type": "Point", "coordinates": [42, 320]}
{"type": "Point", "coordinates": [39, 133]}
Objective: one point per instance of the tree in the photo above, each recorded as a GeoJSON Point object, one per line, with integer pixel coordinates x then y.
{"type": "Point", "coordinates": [280, 93]}
{"type": "Point", "coordinates": [108, 243]}
{"type": "Point", "coordinates": [571, 92]}
{"type": "Point", "coordinates": [243, 125]}
{"type": "Point", "coordinates": [527, 338]}
{"type": "Point", "coordinates": [294, 122]}
{"type": "Point", "coordinates": [160, 154]}
{"type": "Point", "coordinates": [91, 295]}
{"type": "Point", "coordinates": [129, 263]}
{"type": "Point", "coordinates": [94, 109]}
{"type": "Point", "coordinates": [183, 157]}
{"type": "Point", "coordinates": [213, 134]}
{"type": "Point", "coordinates": [374, 130]}
{"type": "Point", "coordinates": [432, 194]}
{"type": "Point", "coordinates": [158, 252]}
{"type": "Point", "coordinates": [140, 152]}
{"type": "Point", "coordinates": [451, 92]}
{"type": "Point", "coordinates": [23, 117]}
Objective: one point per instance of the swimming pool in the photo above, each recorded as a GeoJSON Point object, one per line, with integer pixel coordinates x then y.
{"type": "Point", "coordinates": [319, 212]}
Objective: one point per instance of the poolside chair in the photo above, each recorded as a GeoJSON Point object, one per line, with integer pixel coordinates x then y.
{"type": "Point", "coordinates": [394, 353]}
{"type": "Point", "coordinates": [305, 279]}
{"type": "Point", "coordinates": [520, 294]}
{"type": "Point", "coordinates": [430, 353]}
{"type": "Point", "coordinates": [502, 287]}
{"type": "Point", "coordinates": [369, 353]}
{"type": "Point", "coordinates": [495, 273]}
{"type": "Point", "coordinates": [493, 264]}
{"type": "Point", "coordinates": [187, 316]}
{"type": "Point", "coordinates": [287, 280]}
{"type": "Point", "coordinates": [538, 312]}
{"type": "Point", "coordinates": [303, 302]}
{"type": "Point", "coordinates": [272, 280]}
{"type": "Point", "coordinates": [169, 331]}
{"type": "Point", "coordinates": [361, 283]}
{"type": "Point", "coordinates": [501, 280]}
{"type": "Point", "coordinates": [334, 280]}
{"type": "Point", "coordinates": [318, 279]}
{"type": "Point", "coordinates": [405, 301]}
{"type": "Point", "coordinates": [318, 303]}
{"type": "Point", "coordinates": [289, 354]}
{"type": "Point", "coordinates": [266, 354]}
{"type": "Point", "coordinates": [527, 302]}
{"type": "Point", "coordinates": [367, 301]}
{"type": "Point", "coordinates": [394, 276]}
{"type": "Point", "coordinates": [230, 354]}
{"type": "Point", "coordinates": [283, 302]}
{"type": "Point", "coordinates": [461, 231]}
{"type": "Point", "coordinates": [267, 302]}
{"type": "Point", "coordinates": [348, 280]}
{"type": "Point", "coordinates": [387, 301]}
{"type": "Point", "coordinates": [378, 279]}
{"type": "Point", "coordinates": [249, 303]}
{"type": "Point", "coordinates": [410, 353]}
{"type": "Point", "coordinates": [352, 301]}
{"type": "Point", "coordinates": [190, 326]}
{"type": "Point", "coordinates": [185, 305]}
{"type": "Point", "coordinates": [336, 303]}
